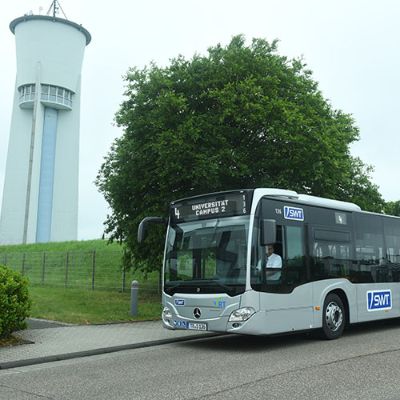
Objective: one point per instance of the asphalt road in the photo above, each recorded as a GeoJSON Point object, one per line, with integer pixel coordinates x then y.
{"type": "Point", "coordinates": [363, 364]}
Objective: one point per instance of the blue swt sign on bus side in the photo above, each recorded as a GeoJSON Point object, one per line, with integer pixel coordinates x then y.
{"type": "Point", "coordinates": [378, 300]}
{"type": "Point", "coordinates": [293, 213]}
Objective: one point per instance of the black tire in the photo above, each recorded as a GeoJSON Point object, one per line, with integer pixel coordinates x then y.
{"type": "Point", "coordinates": [333, 317]}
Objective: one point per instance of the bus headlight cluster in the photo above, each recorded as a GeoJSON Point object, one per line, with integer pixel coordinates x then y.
{"type": "Point", "coordinates": [242, 314]}
{"type": "Point", "coordinates": [166, 316]}
{"type": "Point", "coordinates": [166, 313]}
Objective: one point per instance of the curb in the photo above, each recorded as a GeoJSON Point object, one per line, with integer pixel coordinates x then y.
{"type": "Point", "coordinates": [104, 350]}
{"type": "Point", "coordinates": [49, 321]}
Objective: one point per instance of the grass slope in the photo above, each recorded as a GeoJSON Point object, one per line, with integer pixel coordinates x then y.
{"type": "Point", "coordinates": [84, 245]}
{"type": "Point", "coordinates": [62, 275]}
{"type": "Point", "coordinates": [91, 307]}
{"type": "Point", "coordinates": [93, 264]}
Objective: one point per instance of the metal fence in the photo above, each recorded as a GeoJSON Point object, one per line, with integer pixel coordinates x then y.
{"type": "Point", "coordinates": [78, 269]}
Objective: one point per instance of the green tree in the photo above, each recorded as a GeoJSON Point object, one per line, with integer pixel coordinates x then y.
{"type": "Point", "coordinates": [242, 116]}
{"type": "Point", "coordinates": [392, 208]}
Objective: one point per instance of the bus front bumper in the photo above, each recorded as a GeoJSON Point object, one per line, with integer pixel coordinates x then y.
{"type": "Point", "coordinates": [220, 324]}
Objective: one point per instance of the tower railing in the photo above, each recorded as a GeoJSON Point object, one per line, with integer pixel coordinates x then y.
{"type": "Point", "coordinates": [53, 96]}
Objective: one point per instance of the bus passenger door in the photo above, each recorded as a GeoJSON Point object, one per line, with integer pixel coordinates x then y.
{"type": "Point", "coordinates": [288, 302]}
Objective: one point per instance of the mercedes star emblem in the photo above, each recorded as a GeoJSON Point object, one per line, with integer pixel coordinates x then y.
{"type": "Point", "coordinates": [197, 313]}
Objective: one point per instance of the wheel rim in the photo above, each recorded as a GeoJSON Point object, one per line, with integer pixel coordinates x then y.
{"type": "Point", "coordinates": [333, 316]}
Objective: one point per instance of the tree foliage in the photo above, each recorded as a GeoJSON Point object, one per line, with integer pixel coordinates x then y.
{"type": "Point", "coordinates": [242, 116]}
{"type": "Point", "coordinates": [392, 208]}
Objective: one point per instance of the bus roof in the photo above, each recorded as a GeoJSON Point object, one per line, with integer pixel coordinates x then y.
{"type": "Point", "coordinates": [307, 199]}
{"type": "Point", "coordinates": [292, 196]}
{"type": "Point", "coordinates": [285, 194]}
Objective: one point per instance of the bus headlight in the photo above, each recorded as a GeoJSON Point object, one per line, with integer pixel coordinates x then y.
{"type": "Point", "coordinates": [167, 317]}
{"type": "Point", "coordinates": [166, 313]}
{"type": "Point", "coordinates": [242, 314]}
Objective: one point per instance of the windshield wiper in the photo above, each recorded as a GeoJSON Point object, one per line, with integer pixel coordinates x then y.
{"type": "Point", "coordinates": [221, 285]}
{"type": "Point", "coordinates": [211, 282]}
{"type": "Point", "coordinates": [174, 286]}
{"type": "Point", "coordinates": [230, 290]}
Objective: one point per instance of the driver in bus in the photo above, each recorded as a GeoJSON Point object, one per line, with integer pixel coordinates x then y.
{"type": "Point", "coordinates": [273, 264]}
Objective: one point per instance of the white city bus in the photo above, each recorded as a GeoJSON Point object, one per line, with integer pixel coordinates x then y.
{"type": "Point", "coordinates": [335, 264]}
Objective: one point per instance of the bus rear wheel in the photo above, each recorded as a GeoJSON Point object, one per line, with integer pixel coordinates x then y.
{"type": "Point", "coordinates": [333, 317]}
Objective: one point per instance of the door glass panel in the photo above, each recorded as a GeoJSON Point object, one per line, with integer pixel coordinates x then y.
{"type": "Point", "coordinates": [293, 272]}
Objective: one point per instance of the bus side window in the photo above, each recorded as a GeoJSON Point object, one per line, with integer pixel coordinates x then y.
{"type": "Point", "coordinates": [294, 269]}
{"type": "Point", "coordinates": [331, 260]}
{"type": "Point", "coordinates": [331, 254]}
{"type": "Point", "coordinates": [392, 238]}
{"type": "Point", "coordinates": [278, 246]}
{"type": "Point", "coordinates": [372, 266]}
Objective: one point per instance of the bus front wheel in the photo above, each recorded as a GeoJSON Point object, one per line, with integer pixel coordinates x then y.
{"type": "Point", "coordinates": [333, 317]}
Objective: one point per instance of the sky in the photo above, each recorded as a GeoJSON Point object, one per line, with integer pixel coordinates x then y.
{"type": "Point", "coordinates": [352, 47]}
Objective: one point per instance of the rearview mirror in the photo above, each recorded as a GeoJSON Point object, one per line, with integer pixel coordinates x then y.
{"type": "Point", "coordinates": [268, 232]}
{"type": "Point", "coordinates": [143, 226]}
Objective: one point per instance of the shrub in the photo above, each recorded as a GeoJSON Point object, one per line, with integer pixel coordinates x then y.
{"type": "Point", "coordinates": [14, 301]}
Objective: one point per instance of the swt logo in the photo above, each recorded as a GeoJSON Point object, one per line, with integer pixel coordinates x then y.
{"type": "Point", "coordinates": [297, 214]}
{"type": "Point", "coordinates": [378, 300]}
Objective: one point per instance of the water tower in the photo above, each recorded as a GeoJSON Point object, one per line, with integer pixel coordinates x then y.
{"type": "Point", "coordinates": [40, 197]}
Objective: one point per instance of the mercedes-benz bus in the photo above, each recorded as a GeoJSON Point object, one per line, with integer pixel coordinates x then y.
{"type": "Point", "coordinates": [334, 263]}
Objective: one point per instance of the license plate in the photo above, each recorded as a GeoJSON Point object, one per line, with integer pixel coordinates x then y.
{"type": "Point", "coordinates": [197, 326]}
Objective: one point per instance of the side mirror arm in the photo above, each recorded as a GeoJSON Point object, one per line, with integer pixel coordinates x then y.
{"type": "Point", "coordinates": [143, 226]}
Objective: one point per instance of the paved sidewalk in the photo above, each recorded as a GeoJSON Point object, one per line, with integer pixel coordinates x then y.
{"type": "Point", "coordinates": [52, 342]}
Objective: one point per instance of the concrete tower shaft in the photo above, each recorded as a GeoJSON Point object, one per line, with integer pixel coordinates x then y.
{"type": "Point", "coordinates": [40, 198]}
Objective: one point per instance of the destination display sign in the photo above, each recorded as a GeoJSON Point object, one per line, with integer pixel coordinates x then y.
{"type": "Point", "coordinates": [211, 206]}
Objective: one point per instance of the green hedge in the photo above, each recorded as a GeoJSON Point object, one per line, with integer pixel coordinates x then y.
{"type": "Point", "coordinates": [14, 301]}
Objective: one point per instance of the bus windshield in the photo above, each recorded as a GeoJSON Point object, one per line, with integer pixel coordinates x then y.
{"type": "Point", "coordinates": [207, 256]}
